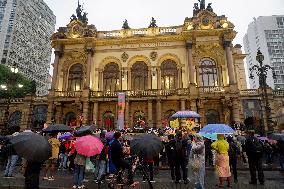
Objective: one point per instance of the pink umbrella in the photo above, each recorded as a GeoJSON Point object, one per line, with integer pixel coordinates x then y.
{"type": "Point", "coordinates": [88, 145]}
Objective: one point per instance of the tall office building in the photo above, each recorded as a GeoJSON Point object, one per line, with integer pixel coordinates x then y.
{"type": "Point", "coordinates": [25, 30]}
{"type": "Point", "coordinates": [266, 33]}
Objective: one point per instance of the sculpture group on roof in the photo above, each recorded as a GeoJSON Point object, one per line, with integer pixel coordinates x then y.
{"type": "Point", "coordinates": [80, 15]}
{"type": "Point", "coordinates": [197, 8]}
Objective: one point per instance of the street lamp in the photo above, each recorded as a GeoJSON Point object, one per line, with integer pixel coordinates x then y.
{"type": "Point", "coordinates": [262, 71]}
{"type": "Point", "coordinates": [9, 85]}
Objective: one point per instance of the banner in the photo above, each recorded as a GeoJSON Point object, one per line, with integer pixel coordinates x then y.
{"type": "Point", "coordinates": [121, 108]}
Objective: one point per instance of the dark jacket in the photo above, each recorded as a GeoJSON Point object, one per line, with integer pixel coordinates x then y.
{"type": "Point", "coordinates": [233, 150]}
{"type": "Point", "coordinates": [170, 147]}
{"type": "Point", "coordinates": [252, 147]}
{"type": "Point", "coordinates": [116, 150]}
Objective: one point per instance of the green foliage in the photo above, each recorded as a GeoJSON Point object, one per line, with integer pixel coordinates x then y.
{"type": "Point", "coordinates": [12, 80]}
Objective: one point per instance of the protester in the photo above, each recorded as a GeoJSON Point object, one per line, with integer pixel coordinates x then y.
{"type": "Point", "coordinates": [80, 163]}
{"type": "Point", "coordinates": [12, 157]}
{"type": "Point", "coordinates": [101, 162]}
{"type": "Point", "coordinates": [197, 161]}
{"type": "Point", "coordinates": [32, 172]}
{"type": "Point", "coordinates": [118, 159]}
{"type": "Point", "coordinates": [170, 147]}
{"type": "Point", "coordinates": [221, 146]}
{"type": "Point", "coordinates": [181, 158]}
{"type": "Point", "coordinates": [254, 150]}
{"type": "Point", "coordinates": [233, 156]}
{"type": "Point", "coordinates": [51, 162]}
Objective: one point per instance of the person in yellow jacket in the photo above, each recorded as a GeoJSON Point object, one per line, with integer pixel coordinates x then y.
{"type": "Point", "coordinates": [221, 146]}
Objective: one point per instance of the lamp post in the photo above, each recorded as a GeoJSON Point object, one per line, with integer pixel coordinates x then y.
{"type": "Point", "coordinates": [262, 71]}
{"type": "Point", "coordinates": [9, 85]}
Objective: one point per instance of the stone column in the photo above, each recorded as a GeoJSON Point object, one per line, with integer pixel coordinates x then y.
{"type": "Point", "coordinates": [49, 112]}
{"type": "Point", "coordinates": [159, 78]}
{"type": "Point", "coordinates": [101, 81]}
{"type": "Point", "coordinates": [179, 78]}
{"type": "Point", "coordinates": [193, 105]}
{"type": "Point", "coordinates": [230, 63]}
{"type": "Point", "coordinates": [59, 113]}
{"type": "Point", "coordinates": [129, 79]}
{"type": "Point", "coordinates": [190, 62]}
{"type": "Point", "coordinates": [85, 113]}
{"type": "Point", "coordinates": [150, 114]}
{"type": "Point", "coordinates": [126, 115]}
{"type": "Point", "coordinates": [182, 104]}
{"type": "Point", "coordinates": [96, 113]}
{"type": "Point", "coordinates": [159, 113]}
{"type": "Point", "coordinates": [58, 54]}
{"type": "Point", "coordinates": [90, 53]}
{"type": "Point", "coordinates": [236, 110]}
{"type": "Point", "coordinates": [149, 79]}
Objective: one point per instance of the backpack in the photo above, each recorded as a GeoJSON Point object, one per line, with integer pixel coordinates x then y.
{"type": "Point", "coordinates": [257, 147]}
{"type": "Point", "coordinates": [179, 146]}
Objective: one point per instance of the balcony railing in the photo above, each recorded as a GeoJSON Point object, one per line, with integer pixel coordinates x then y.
{"type": "Point", "coordinates": [70, 94]}
{"type": "Point", "coordinates": [249, 92]}
{"type": "Point", "coordinates": [139, 93]}
{"type": "Point", "coordinates": [211, 89]}
{"type": "Point", "coordinates": [278, 92]}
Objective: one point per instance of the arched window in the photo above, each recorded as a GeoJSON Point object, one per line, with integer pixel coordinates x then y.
{"type": "Point", "coordinates": [139, 74]}
{"type": "Point", "coordinates": [212, 116]}
{"type": "Point", "coordinates": [208, 73]}
{"type": "Point", "coordinates": [111, 77]}
{"type": "Point", "coordinates": [169, 74]}
{"type": "Point", "coordinates": [75, 79]}
{"type": "Point", "coordinates": [15, 119]}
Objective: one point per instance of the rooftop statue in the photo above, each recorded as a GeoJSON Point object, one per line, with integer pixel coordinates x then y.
{"type": "Point", "coordinates": [79, 11]}
{"type": "Point", "coordinates": [195, 9]}
{"type": "Point", "coordinates": [209, 8]}
{"type": "Point", "coordinates": [153, 23]}
{"type": "Point", "coordinates": [125, 25]}
{"type": "Point", "coordinates": [202, 4]}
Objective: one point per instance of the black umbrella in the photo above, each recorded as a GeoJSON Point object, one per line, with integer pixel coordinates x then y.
{"type": "Point", "coordinates": [85, 130]}
{"type": "Point", "coordinates": [276, 136]}
{"type": "Point", "coordinates": [31, 146]}
{"type": "Point", "coordinates": [146, 145]}
{"type": "Point", "coordinates": [57, 128]}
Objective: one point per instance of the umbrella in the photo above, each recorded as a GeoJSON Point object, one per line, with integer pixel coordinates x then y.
{"type": "Point", "coordinates": [209, 136]}
{"type": "Point", "coordinates": [85, 130]}
{"type": "Point", "coordinates": [276, 136]}
{"type": "Point", "coordinates": [217, 129]}
{"type": "Point", "coordinates": [146, 145]}
{"type": "Point", "coordinates": [31, 146]}
{"type": "Point", "coordinates": [185, 114]}
{"type": "Point", "coordinates": [263, 138]}
{"type": "Point", "coordinates": [88, 145]}
{"type": "Point", "coordinates": [65, 136]}
{"type": "Point", "coordinates": [109, 135]}
{"type": "Point", "coordinates": [57, 128]}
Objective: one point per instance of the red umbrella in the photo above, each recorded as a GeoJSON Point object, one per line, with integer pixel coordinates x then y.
{"type": "Point", "coordinates": [88, 146]}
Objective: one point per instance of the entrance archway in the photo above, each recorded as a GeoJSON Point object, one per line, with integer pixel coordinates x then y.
{"type": "Point", "coordinates": [70, 119]}
{"type": "Point", "coordinates": [139, 119]}
{"type": "Point", "coordinates": [108, 120]}
{"type": "Point", "coordinates": [212, 116]}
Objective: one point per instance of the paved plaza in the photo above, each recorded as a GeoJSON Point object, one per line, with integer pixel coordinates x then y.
{"type": "Point", "coordinates": [64, 180]}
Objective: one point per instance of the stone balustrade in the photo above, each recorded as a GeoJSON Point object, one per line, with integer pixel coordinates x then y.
{"type": "Point", "coordinates": [70, 94]}
{"type": "Point", "coordinates": [214, 89]}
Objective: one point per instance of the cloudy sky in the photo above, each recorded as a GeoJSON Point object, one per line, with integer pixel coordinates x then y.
{"type": "Point", "coordinates": [109, 14]}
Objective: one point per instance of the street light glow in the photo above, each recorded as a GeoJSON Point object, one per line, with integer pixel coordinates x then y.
{"type": "Point", "coordinates": [3, 87]}
{"type": "Point", "coordinates": [20, 85]}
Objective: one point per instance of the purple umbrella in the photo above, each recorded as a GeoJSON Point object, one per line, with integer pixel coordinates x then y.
{"type": "Point", "coordinates": [65, 136]}
{"type": "Point", "coordinates": [109, 135]}
{"type": "Point", "coordinates": [263, 138]}
{"type": "Point", "coordinates": [185, 114]}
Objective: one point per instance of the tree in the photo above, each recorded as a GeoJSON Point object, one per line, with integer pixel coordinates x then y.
{"type": "Point", "coordinates": [12, 81]}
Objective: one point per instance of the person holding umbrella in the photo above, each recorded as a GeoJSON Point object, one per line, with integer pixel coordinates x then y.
{"type": "Point", "coordinates": [51, 162]}
{"type": "Point", "coordinates": [222, 160]}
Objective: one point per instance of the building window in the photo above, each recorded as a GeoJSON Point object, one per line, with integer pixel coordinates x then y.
{"type": "Point", "coordinates": [212, 116]}
{"type": "Point", "coordinates": [208, 73]}
{"type": "Point", "coordinates": [169, 74]}
{"type": "Point", "coordinates": [139, 74]}
{"type": "Point", "coordinates": [111, 77]}
{"type": "Point", "coordinates": [75, 79]}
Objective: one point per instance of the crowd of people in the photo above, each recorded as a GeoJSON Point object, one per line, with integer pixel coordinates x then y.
{"type": "Point", "coordinates": [184, 153]}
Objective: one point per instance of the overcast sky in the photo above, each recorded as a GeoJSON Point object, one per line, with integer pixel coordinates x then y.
{"type": "Point", "coordinates": [110, 14]}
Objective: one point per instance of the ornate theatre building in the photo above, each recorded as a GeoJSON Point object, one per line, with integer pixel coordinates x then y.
{"type": "Point", "coordinates": [192, 66]}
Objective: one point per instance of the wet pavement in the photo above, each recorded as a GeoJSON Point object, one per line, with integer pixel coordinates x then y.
{"type": "Point", "coordinates": [64, 180]}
